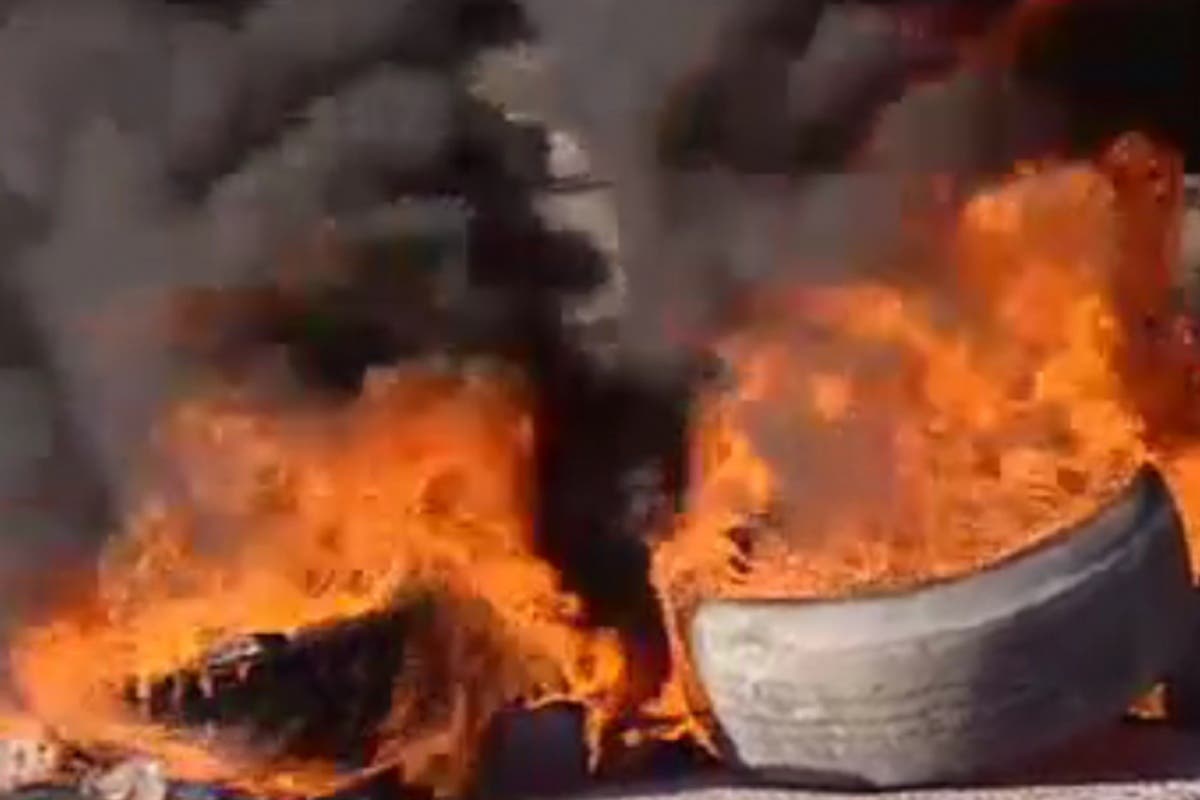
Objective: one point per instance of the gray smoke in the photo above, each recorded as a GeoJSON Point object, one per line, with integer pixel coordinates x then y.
{"type": "Point", "coordinates": [812, 137]}
{"type": "Point", "coordinates": [148, 149]}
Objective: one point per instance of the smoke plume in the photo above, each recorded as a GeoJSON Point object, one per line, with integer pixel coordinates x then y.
{"type": "Point", "coordinates": [152, 149]}
{"type": "Point", "coordinates": [751, 142]}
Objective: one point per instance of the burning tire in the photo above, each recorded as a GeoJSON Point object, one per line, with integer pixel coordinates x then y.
{"type": "Point", "coordinates": [928, 685]}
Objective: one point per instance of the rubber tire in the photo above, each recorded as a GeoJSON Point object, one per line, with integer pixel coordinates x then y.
{"type": "Point", "coordinates": [951, 679]}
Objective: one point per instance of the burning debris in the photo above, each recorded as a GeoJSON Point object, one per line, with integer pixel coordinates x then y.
{"type": "Point", "coordinates": [306, 523]}
{"type": "Point", "coordinates": [277, 522]}
{"type": "Point", "coordinates": [411, 474]}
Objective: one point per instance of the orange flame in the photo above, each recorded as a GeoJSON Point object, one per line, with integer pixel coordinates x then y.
{"type": "Point", "coordinates": [929, 438]}
{"type": "Point", "coordinates": [874, 434]}
{"type": "Point", "coordinates": [878, 435]}
{"type": "Point", "coordinates": [278, 521]}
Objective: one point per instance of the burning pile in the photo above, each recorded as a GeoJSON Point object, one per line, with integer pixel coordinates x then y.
{"type": "Point", "coordinates": [377, 563]}
{"type": "Point", "coordinates": [969, 416]}
{"type": "Point", "coordinates": [280, 521]}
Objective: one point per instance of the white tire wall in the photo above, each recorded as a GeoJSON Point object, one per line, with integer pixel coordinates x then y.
{"type": "Point", "coordinates": [951, 679]}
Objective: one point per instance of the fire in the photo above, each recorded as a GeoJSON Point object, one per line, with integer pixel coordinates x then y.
{"type": "Point", "coordinates": [273, 521]}
{"type": "Point", "coordinates": [870, 435]}
{"type": "Point", "coordinates": [880, 434]}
